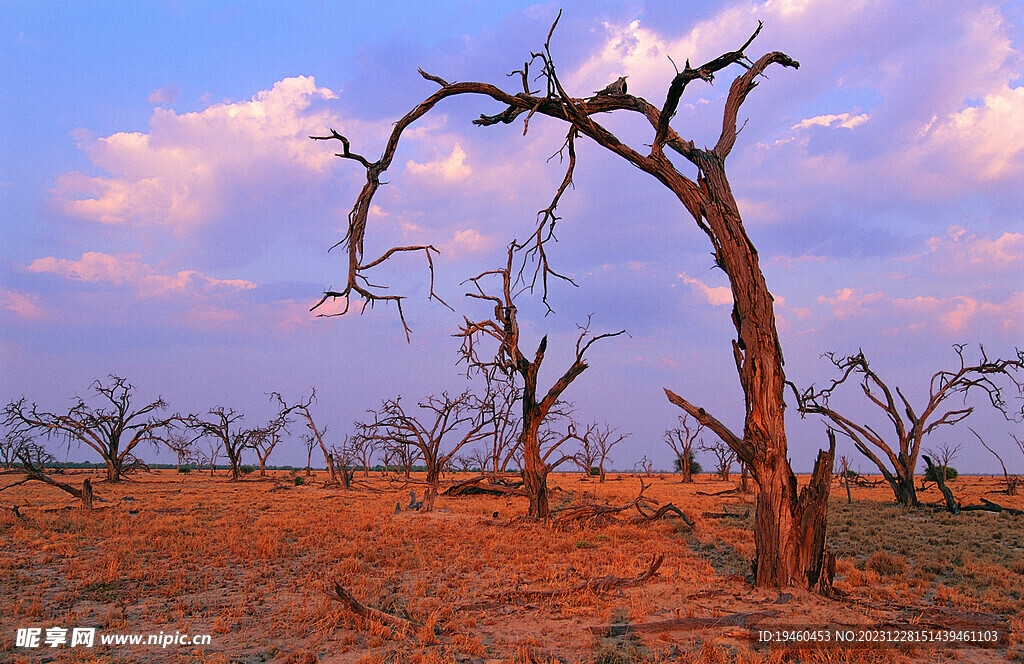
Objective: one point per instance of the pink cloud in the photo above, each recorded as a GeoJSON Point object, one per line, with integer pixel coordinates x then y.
{"type": "Point", "coordinates": [24, 305]}
{"type": "Point", "coordinates": [128, 269]}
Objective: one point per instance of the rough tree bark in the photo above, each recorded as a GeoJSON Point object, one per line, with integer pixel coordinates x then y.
{"type": "Point", "coordinates": [785, 556]}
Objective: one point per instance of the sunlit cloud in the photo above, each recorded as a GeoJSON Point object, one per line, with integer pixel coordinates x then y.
{"type": "Point", "coordinates": [451, 168]}
{"type": "Point", "coordinates": [713, 295]}
{"type": "Point", "coordinates": [24, 305]}
{"type": "Point", "coordinates": [962, 248]}
{"type": "Point", "coordinates": [189, 166]}
{"type": "Point", "coordinates": [128, 269]}
{"type": "Point", "coordinates": [844, 120]}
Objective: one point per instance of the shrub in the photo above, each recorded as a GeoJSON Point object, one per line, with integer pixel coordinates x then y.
{"type": "Point", "coordinates": [185, 470]}
{"type": "Point", "coordinates": [245, 470]}
{"type": "Point", "coordinates": [931, 471]}
{"type": "Point", "coordinates": [299, 480]}
{"type": "Point", "coordinates": [594, 471]}
{"type": "Point", "coordinates": [887, 564]}
{"type": "Point", "coordinates": [695, 467]}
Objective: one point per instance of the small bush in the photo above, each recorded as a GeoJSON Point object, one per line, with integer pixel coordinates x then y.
{"type": "Point", "coordinates": [299, 480]}
{"type": "Point", "coordinates": [184, 470]}
{"type": "Point", "coordinates": [887, 564]}
{"type": "Point", "coordinates": [245, 470]}
{"type": "Point", "coordinates": [594, 471]}
{"type": "Point", "coordinates": [695, 467]}
{"type": "Point", "coordinates": [931, 472]}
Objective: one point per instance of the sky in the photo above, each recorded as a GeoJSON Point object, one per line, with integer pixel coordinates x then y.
{"type": "Point", "coordinates": [165, 217]}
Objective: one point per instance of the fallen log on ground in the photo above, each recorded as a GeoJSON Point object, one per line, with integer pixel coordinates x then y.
{"type": "Point", "coordinates": [84, 494]}
{"type": "Point", "coordinates": [339, 594]}
{"type": "Point", "coordinates": [493, 487]}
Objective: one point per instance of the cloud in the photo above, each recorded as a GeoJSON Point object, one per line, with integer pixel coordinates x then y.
{"type": "Point", "coordinates": [713, 295]}
{"type": "Point", "coordinates": [468, 241]}
{"type": "Point", "coordinates": [24, 305]}
{"type": "Point", "coordinates": [166, 95]}
{"type": "Point", "coordinates": [844, 120]}
{"type": "Point", "coordinates": [961, 248]}
{"type": "Point", "coordinates": [953, 315]}
{"type": "Point", "coordinates": [450, 169]}
{"type": "Point", "coordinates": [190, 167]}
{"type": "Point", "coordinates": [128, 269]}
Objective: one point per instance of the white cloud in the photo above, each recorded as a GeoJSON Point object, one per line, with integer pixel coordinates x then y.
{"type": "Point", "coordinates": [844, 120]}
{"type": "Point", "coordinates": [713, 295]}
{"type": "Point", "coordinates": [128, 269]}
{"type": "Point", "coordinates": [189, 166]}
{"type": "Point", "coordinates": [452, 168]}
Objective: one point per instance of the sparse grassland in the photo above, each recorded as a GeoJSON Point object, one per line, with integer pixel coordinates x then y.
{"type": "Point", "coordinates": [248, 563]}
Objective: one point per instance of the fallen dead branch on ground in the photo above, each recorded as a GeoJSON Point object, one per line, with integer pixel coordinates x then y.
{"type": "Point", "coordinates": [602, 513]}
{"type": "Point", "coordinates": [487, 486]}
{"type": "Point", "coordinates": [339, 594]}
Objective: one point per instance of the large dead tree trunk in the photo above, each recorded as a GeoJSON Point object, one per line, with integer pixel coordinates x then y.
{"type": "Point", "coordinates": [786, 557]}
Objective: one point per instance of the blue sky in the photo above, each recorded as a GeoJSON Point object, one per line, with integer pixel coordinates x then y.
{"type": "Point", "coordinates": [165, 217]}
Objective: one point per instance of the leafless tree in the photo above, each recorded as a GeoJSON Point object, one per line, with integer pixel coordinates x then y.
{"type": "Point", "coordinates": [34, 458]}
{"type": "Point", "coordinates": [597, 444]}
{"type": "Point", "coordinates": [897, 456]}
{"type": "Point", "coordinates": [510, 360]}
{"type": "Point", "coordinates": [724, 457]}
{"type": "Point", "coordinates": [263, 440]}
{"type": "Point", "coordinates": [181, 446]}
{"type": "Point", "coordinates": [681, 440]}
{"type": "Point", "coordinates": [944, 454]}
{"type": "Point", "coordinates": [789, 531]}
{"type": "Point", "coordinates": [209, 454]}
{"type": "Point", "coordinates": [222, 427]}
{"type": "Point", "coordinates": [363, 448]}
{"type": "Point", "coordinates": [438, 430]}
{"type": "Point", "coordinates": [10, 445]}
{"type": "Point", "coordinates": [1011, 480]}
{"type": "Point", "coordinates": [303, 409]}
{"type": "Point", "coordinates": [343, 461]}
{"type": "Point", "coordinates": [646, 465]}
{"type": "Point", "coordinates": [309, 442]}
{"type": "Point", "coordinates": [499, 403]}
{"type": "Point", "coordinates": [113, 430]}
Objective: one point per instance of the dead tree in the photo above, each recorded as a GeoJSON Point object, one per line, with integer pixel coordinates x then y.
{"type": "Point", "coordinates": [1011, 480]}
{"type": "Point", "coordinates": [210, 454]}
{"type": "Point", "coordinates": [181, 446]}
{"type": "Point", "coordinates": [597, 444]}
{"type": "Point", "coordinates": [499, 402]}
{"type": "Point", "coordinates": [10, 446]}
{"type": "Point", "coordinates": [510, 360]}
{"type": "Point", "coordinates": [343, 462]}
{"type": "Point", "coordinates": [222, 428]}
{"type": "Point", "coordinates": [896, 457]}
{"type": "Point", "coordinates": [443, 426]}
{"type": "Point", "coordinates": [113, 430]}
{"type": "Point", "coordinates": [302, 408]}
{"type": "Point", "coordinates": [786, 533]}
{"type": "Point", "coordinates": [944, 455]}
{"type": "Point", "coordinates": [724, 458]}
{"type": "Point", "coordinates": [34, 458]}
{"type": "Point", "coordinates": [363, 449]}
{"type": "Point", "coordinates": [681, 440]}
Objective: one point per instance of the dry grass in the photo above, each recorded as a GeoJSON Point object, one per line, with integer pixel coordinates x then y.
{"type": "Point", "coordinates": [247, 562]}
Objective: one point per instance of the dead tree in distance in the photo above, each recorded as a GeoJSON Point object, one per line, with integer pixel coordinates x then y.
{"type": "Point", "coordinates": [221, 427]}
{"type": "Point", "coordinates": [789, 528]}
{"type": "Point", "coordinates": [113, 430]}
{"type": "Point", "coordinates": [724, 457]}
{"type": "Point", "coordinates": [442, 420]}
{"type": "Point", "coordinates": [896, 457]}
{"type": "Point", "coordinates": [597, 443]}
{"type": "Point", "coordinates": [303, 408]}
